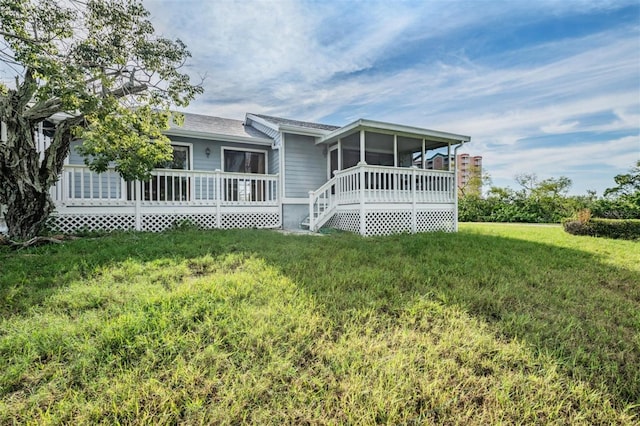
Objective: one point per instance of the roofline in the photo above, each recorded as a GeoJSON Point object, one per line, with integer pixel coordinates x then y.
{"type": "Point", "coordinates": [299, 130]}
{"type": "Point", "coordinates": [218, 136]}
{"type": "Point", "coordinates": [260, 120]}
{"type": "Point", "coordinates": [393, 129]}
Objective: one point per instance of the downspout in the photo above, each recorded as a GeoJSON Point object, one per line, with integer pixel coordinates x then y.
{"type": "Point", "coordinates": [455, 185]}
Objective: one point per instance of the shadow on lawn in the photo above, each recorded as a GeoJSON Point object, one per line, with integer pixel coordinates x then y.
{"type": "Point", "coordinates": [564, 302]}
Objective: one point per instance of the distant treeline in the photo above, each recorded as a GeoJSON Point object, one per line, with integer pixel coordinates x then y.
{"type": "Point", "coordinates": [547, 201]}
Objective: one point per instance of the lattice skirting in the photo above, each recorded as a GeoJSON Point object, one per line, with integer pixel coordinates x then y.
{"type": "Point", "coordinates": [387, 222]}
{"type": "Point", "coordinates": [346, 220]}
{"type": "Point", "coordinates": [435, 220]}
{"type": "Point", "coordinates": [68, 223]}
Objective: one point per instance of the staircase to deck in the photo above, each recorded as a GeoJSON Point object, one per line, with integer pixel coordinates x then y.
{"type": "Point", "coordinates": [380, 200]}
{"type": "Point", "coordinates": [322, 205]}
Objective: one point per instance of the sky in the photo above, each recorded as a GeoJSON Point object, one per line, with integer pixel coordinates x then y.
{"type": "Point", "coordinates": [544, 87]}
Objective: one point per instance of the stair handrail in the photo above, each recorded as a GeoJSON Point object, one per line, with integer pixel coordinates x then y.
{"type": "Point", "coordinates": [324, 197]}
{"type": "Point", "coordinates": [318, 216]}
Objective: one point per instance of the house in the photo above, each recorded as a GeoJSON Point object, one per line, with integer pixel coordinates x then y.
{"type": "Point", "coordinates": [271, 172]}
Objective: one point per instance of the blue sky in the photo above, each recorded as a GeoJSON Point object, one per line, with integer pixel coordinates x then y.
{"type": "Point", "coordinates": [545, 87]}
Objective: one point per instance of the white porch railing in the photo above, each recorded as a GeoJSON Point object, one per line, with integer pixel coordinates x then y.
{"type": "Point", "coordinates": [364, 184]}
{"type": "Point", "coordinates": [79, 186]}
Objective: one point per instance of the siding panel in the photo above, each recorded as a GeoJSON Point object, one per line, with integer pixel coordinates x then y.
{"type": "Point", "coordinates": [305, 165]}
{"type": "Point", "coordinates": [200, 159]}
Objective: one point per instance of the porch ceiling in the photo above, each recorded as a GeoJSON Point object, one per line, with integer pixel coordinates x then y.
{"type": "Point", "coordinates": [409, 137]}
{"type": "Point", "coordinates": [383, 142]}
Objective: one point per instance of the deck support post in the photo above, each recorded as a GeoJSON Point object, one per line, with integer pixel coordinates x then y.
{"type": "Point", "coordinates": [362, 147]}
{"type": "Point", "coordinates": [395, 150]}
{"type": "Point", "coordinates": [414, 221]}
{"type": "Point", "coordinates": [312, 219]}
{"type": "Point", "coordinates": [137, 207]}
{"type": "Point", "coordinates": [218, 183]}
{"type": "Point", "coordinates": [363, 213]}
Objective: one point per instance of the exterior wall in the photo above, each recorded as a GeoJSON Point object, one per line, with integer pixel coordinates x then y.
{"type": "Point", "coordinates": [274, 161]}
{"type": "Point", "coordinates": [293, 215]}
{"type": "Point", "coordinates": [305, 166]}
{"type": "Point", "coordinates": [274, 134]}
{"type": "Point", "coordinates": [198, 153]}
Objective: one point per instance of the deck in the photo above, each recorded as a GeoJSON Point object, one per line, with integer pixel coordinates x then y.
{"type": "Point", "coordinates": [379, 200]}
{"type": "Point", "coordinates": [87, 200]}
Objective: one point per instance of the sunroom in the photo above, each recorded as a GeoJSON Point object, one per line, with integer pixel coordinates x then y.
{"type": "Point", "coordinates": [378, 182]}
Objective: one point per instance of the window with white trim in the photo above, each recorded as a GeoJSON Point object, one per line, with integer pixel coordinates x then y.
{"type": "Point", "coordinates": [246, 162]}
{"type": "Point", "coordinates": [240, 161]}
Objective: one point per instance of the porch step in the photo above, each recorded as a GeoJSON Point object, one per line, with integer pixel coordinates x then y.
{"type": "Point", "coordinates": [305, 223]}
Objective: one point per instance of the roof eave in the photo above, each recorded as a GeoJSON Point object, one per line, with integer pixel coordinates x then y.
{"type": "Point", "coordinates": [218, 137]}
{"type": "Point", "coordinates": [262, 121]}
{"type": "Point", "coordinates": [299, 130]}
{"type": "Point", "coordinates": [398, 129]}
{"type": "Point", "coordinates": [289, 128]}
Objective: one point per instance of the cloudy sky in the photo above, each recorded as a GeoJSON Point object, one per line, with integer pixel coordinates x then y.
{"type": "Point", "coordinates": [545, 87]}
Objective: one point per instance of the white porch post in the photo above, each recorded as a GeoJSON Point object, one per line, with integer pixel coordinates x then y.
{"type": "Point", "coordinates": [395, 150]}
{"type": "Point", "coordinates": [138, 205]}
{"type": "Point", "coordinates": [362, 164]}
{"type": "Point", "coordinates": [362, 147]}
{"type": "Point", "coordinates": [339, 155]}
{"type": "Point", "coordinates": [424, 156]}
{"type": "Point", "coordinates": [312, 224]}
{"type": "Point", "coordinates": [218, 183]}
{"type": "Point", "coordinates": [449, 154]}
{"type": "Point", "coordinates": [413, 200]}
{"type": "Point", "coordinates": [363, 213]}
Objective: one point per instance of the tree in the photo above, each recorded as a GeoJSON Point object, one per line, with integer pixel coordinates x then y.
{"type": "Point", "coordinates": [628, 185]}
{"type": "Point", "coordinates": [90, 69]}
{"type": "Point", "coordinates": [622, 201]}
{"type": "Point", "coordinates": [478, 178]}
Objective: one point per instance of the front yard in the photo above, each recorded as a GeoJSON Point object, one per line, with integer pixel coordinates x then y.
{"type": "Point", "coordinates": [511, 324]}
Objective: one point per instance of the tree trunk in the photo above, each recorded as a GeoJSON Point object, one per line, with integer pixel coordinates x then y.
{"type": "Point", "coordinates": [23, 190]}
{"type": "Point", "coordinates": [25, 180]}
{"type": "Point", "coordinates": [27, 213]}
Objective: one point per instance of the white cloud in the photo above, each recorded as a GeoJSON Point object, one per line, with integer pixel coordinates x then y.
{"type": "Point", "coordinates": [312, 60]}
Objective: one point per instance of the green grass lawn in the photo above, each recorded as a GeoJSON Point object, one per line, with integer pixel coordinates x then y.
{"type": "Point", "coordinates": [494, 324]}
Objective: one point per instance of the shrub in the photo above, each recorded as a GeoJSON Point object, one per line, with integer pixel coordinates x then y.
{"type": "Point", "coordinates": [628, 229]}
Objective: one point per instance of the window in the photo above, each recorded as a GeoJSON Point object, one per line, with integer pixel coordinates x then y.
{"type": "Point", "coordinates": [244, 161]}
{"type": "Point", "coordinates": [248, 162]}
{"type": "Point", "coordinates": [169, 186]}
{"type": "Point", "coordinates": [180, 159]}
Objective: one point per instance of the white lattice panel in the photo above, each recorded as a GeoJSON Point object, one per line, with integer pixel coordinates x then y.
{"type": "Point", "coordinates": [348, 220]}
{"type": "Point", "coordinates": [435, 220]}
{"type": "Point", "coordinates": [158, 222]}
{"type": "Point", "coordinates": [388, 222]}
{"type": "Point", "coordinates": [68, 223]}
{"type": "Point", "coordinates": [249, 220]}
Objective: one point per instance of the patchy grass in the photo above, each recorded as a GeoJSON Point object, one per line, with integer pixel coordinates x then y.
{"type": "Point", "coordinates": [495, 324]}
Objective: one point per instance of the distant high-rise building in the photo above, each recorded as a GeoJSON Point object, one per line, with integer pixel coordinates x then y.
{"type": "Point", "coordinates": [469, 169]}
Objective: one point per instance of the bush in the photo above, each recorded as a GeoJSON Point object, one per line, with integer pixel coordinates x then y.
{"type": "Point", "coordinates": [628, 229]}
